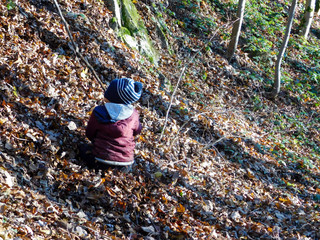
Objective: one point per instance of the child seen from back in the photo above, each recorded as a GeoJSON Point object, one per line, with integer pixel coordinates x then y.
{"type": "Point", "coordinates": [113, 125]}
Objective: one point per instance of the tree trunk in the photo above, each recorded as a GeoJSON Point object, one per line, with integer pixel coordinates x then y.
{"type": "Point", "coordinates": [236, 30]}
{"type": "Point", "coordinates": [308, 16]}
{"type": "Point", "coordinates": [317, 7]}
{"type": "Point", "coordinates": [277, 81]}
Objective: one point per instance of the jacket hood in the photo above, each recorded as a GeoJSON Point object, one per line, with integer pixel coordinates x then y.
{"type": "Point", "coordinates": [113, 112]}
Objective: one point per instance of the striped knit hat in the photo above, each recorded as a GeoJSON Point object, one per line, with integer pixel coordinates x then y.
{"type": "Point", "coordinates": [124, 91]}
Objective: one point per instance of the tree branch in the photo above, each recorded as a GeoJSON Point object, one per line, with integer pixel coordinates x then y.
{"type": "Point", "coordinates": [180, 77]}
{"type": "Point", "coordinates": [76, 49]}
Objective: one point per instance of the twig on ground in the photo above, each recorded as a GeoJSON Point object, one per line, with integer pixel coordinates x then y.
{"type": "Point", "coordinates": [177, 134]}
{"type": "Point", "coordinates": [214, 143]}
{"type": "Point", "coordinates": [21, 139]}
{"type": "Point", "coordinates": [75, 47]}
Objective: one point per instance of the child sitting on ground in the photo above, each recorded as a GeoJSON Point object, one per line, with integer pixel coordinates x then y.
{"type": "Point", "coordinates": [112, 126]}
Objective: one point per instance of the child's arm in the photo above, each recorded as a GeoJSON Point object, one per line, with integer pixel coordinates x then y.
{"type": "Point", "coordinates": [138, 129]}
{"type": "Point", "coordinates": [91, 128]}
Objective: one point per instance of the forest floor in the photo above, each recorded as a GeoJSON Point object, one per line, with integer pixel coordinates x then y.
{"type": "Point", "coordinates": [231, 163]}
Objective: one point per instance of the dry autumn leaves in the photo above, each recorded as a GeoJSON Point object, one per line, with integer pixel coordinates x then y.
{"type": "Point", "coordinates": [214, 175]}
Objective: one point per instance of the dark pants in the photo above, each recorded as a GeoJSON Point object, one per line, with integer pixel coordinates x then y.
{"type": "Point", "coordinates": [86, 155]}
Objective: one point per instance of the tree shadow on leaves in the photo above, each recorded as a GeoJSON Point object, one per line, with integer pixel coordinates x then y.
{"type": "Point", "coordinates": [270, 174]}
{"type": "Point", "coordinates": [54, 42]}
{"type": "Point", "coordinates": [83, 38]}
{"type": "Point", "coordinates": [44, 138]}
{"type": "Point", "coordinates": [315, 32]}
{"type": "Point", "coordinates": [239, 214]}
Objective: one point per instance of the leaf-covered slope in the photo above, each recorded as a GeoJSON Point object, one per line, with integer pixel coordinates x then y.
{"type": "Point", "coordinates": [231, 163]}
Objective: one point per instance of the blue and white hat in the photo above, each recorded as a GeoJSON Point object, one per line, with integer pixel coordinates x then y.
{"type": "Point", "coordinates": [123, 91]}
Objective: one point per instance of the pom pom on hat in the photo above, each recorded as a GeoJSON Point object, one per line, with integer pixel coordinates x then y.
{"type": "Point", "coordinates": [123, 91]}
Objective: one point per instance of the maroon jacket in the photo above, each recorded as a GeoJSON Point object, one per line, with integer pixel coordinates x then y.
{"type": "Point", "coordinates": [113, 141]}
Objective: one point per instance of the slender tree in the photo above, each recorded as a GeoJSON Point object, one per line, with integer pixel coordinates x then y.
{"type": "Point", "coordinates": [236, 30]}
{"type": "Point", "coordinates": [277, 81]}
{"type": "Point", "coordinates": [307, 18]}
{"type": "Point", "coordinates": [317, 7]}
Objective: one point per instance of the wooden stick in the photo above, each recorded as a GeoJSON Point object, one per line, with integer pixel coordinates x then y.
{"type": "Point", "coordinates": [171, 100]}
{"type": "Point", "coordinates": [181, 75]}
{"type": "Point", "coordinates": [76, 49]}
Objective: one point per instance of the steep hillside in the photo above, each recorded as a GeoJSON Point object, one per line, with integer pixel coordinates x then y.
{"type": "Point", "coordinates": [227, 164]}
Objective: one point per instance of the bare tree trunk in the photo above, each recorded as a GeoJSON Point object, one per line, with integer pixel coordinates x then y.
{"type": "Point", "coordinates": [277, 81]}
{"type": "Point", "coordinates": [236, 30]}
{"type": "Point", "coordinates": [317, 7]}
{"type": "Point", "coordinates": [308, 16]}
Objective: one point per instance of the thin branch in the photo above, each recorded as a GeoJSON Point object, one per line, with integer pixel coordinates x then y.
{"type": "Point", "coordinates": [183, 125]}
{"type": "Point", "coordinates": [75, 47]}
{"type": "Point", "coordinates": [21, 139]}
{"type": "Point", "coordinates": [171, 100]}
{"type": "Point", "coordinates": [208, 145]}
{"type": "Point", "coordinates": [180, 77]}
